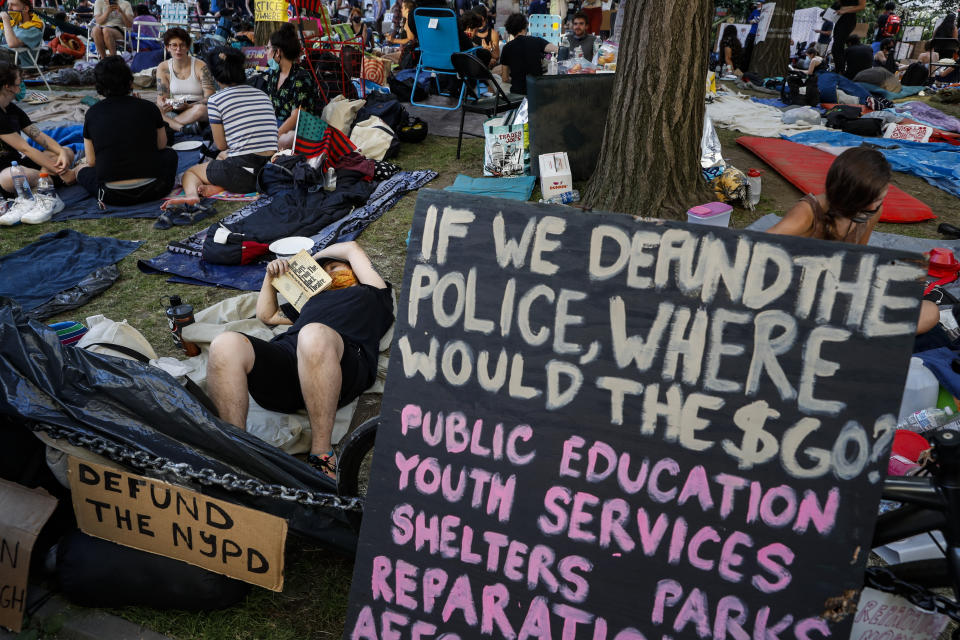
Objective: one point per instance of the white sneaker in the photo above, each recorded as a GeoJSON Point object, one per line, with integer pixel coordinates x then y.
{"type": "Point", "coordinates": [44, 209]}
{"type": "Point", "coordinates": [16, 212]}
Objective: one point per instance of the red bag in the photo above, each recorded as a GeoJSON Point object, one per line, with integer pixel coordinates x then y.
{"type": "Point", "coordinates": [69, 45]}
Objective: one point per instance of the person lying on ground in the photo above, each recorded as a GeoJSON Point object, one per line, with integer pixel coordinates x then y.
{"type": "Point", "coordinates": [124, 142]}
{"type": "Point", "coordinates": [857, 183]}
{"type": "Point", "coordinates": [326, 359]}
{"type": "Point", "coordinates": [110, 18]}
{"type": "Point", "coordinates": [53, 159]}
{"type": "Point", "coordinates": [184, 84]}
{"type": "Point", "coordinates": [523, 55]}
{"type": "Point", "coordinates": [244, 128]}
{"type": "Point", "coordinates": [290, 86]}
{"type": "Point", "coordinates": [21, 26]}
{"type": "Point", "coordinates": [579, 37]}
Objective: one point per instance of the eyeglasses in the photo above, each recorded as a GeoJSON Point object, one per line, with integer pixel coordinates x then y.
{"type": "Point", "coordinates": [176, 45]}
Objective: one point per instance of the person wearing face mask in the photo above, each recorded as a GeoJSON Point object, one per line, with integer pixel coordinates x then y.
{"type": "Point", "coordinates": [290, 86]}
{"type": "Point", "coordinates": [52, 159]}
{"type": "Point", "coordinates": [184, 84]}
{"type": "Point", "coordinates": [326, 359]}
{"type": "Point", "coordinates": [360, 27]}
{"type": "Point", "coordinates": [21, 26]}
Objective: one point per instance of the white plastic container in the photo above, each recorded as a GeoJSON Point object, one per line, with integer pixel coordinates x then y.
{"type": "Point", "coordinates": [754, 184]}
{"type": "Point", "coordinates": [715, 214]}
{"type": "Point", "coordinates": [920, 391]}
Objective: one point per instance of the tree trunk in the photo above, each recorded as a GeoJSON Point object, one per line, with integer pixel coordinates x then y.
{"type": "Point", "coordinates": [263, 30]}
{"type": "Point", "coordinates": [650, 160]}
{"type": "Point", "coordinates": [771, 56]}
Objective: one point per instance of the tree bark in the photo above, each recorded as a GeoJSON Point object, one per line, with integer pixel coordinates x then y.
{"type": "Point", "coordinates": [771, 56]}
{"type": "Point", "coordinates": [650, 160]}
{"type": "Point", "coordinates": [263, 30]}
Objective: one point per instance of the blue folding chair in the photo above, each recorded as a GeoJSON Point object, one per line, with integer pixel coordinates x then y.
{"type": "Point", "coordinates": [439, 36]}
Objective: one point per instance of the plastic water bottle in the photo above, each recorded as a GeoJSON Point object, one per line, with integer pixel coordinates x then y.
{"type": "Point", "coordinates": [753, 186]}
{"type": "Point", "coordinates": [20, 182]}
{"type": "Point", "coordinates": [45, 186]}
{"type": "Point", "coordinates": [330, 180]}
{"type": "Point", "coordinates": [927, 420]}
{"type": "Point", "coordinates": [563, 198]}
{"type": "Point", "coordinates": [920, 391]}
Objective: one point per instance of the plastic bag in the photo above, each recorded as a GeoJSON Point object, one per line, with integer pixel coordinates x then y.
{"type": "Point", "coordinates": [801, 115]}
{"type": "Point", "coordinates": [95, 283]}
{"type": "Point", "coordinates": [141, 406]}
{"type": "Point", "coordinates": [711, 155]}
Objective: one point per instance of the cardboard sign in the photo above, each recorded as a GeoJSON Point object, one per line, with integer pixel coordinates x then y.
{"type": "Point", "coordinates": [766, 16]}
{"type": "Point", "coordinates": [255, 57]}
{"type": "Point", "coordinates": [270, 10]}
{"type": "Point", "coordinates": [171, 521]}
{"type": "Point", "coordinates": [885, 615]}
{"type": "Point", "coordinates": [605, 428]}
{"type": "Point", "coordinates": [23, 513]}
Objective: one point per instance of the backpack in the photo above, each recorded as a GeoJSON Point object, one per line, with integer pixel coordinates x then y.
{"type": "Point", "coordinates": [840, 114]}
{"type": "Point", "coordinates": [869, 127]}
{"type": "Point", "coordinates": [385, 106]}
{"type": "Point", "coordinates": [800, 89]}
{"type": "Point", "coordinates": [891, 27]}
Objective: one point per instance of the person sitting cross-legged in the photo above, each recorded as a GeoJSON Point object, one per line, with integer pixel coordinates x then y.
{"type": "Point", "coordinates": [244, 128]}
{"type": "Point", "coordinates": [326, 359]}
{"type": "Point", "coordinates": [126, 160]}
{"type": "Point", "coordinates": [184, 84]}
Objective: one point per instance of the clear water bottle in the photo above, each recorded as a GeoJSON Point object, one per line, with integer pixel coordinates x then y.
{"type": "Point", "coordinates": [753, 186]}
{"type": "Point", "coordinates": [20, 182]}
{"type": "Point", "coordinates": [45, 186]}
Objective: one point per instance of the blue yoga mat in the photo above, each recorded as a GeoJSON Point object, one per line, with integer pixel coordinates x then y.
{"type": "Point", "coordinates": [55, 262]}
{"type": "Point", "coordinates": [520, 188]}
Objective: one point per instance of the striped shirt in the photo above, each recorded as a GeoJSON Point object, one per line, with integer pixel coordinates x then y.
{"type": "Point", "coordinates": [246, 114]}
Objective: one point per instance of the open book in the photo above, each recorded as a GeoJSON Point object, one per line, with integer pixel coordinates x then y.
{"type": "Point", "coordinates": [304, 279]}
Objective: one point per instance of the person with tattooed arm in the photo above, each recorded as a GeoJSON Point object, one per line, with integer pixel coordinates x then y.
{"type": "Point", "coordinates": [183, 84]}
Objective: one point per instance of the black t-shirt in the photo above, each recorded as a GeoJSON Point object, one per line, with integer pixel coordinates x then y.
{"type": "Point", "coordinates": [825, 37]}
{"type": "Point", "coordinates": [848, 21]}
{"type": "Point", "coordinates": [361, 314]}
{"type": "Point", "coordinates": [858, 57]}
{"type": "Point", "coordinates": [123, 130]}
{"type": "Point", "coordinates": [12, 120]}
{"type": "Point", "coordinates": [524, 56]}
{"type": "Point", "coordinates": [881, 20]}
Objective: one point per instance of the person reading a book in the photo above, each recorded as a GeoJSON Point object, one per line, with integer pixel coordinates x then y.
{"type": "Point", "coordinates": [325, 360]}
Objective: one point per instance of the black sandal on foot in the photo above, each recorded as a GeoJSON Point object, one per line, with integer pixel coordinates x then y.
{"type": "Point", "coordinates": [326, 463]}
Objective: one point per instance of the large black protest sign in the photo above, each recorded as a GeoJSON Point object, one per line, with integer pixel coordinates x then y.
{"type": "Point", "coordinates": [604, 428]}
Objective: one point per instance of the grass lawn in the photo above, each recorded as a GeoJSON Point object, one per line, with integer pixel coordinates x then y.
{"type": "Point", "coordinates": [313, 603]}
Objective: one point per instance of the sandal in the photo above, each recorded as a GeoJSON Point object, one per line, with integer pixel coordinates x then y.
{"type": "Point", "coordinates": [326, 463]}
{"type": "Point", "coordinates": [190, 214]}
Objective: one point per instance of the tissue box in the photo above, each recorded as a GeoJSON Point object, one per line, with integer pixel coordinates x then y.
{"type": "Point", "coordinates": [555, 176]}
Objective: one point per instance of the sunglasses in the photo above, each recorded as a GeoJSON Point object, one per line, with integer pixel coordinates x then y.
{"type": "Point", "coordinates": [864, 216]}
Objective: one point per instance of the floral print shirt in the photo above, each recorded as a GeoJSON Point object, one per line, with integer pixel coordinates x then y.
{"type": "Point", "coordinates": [297, 91]}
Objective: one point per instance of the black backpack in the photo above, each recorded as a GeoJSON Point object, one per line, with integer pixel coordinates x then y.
{"type": "Point", "coordinates": [841, 113]}
{"type": "Point", "coordinates": [791, 94]}
{"type": "Point", "coordinates": [386, 107]}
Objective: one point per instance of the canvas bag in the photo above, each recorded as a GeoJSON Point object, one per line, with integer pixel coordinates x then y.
{"type": "Point", "coordinates": [341, 112]}
{"type": "Point", "coordinates": [374, 139]}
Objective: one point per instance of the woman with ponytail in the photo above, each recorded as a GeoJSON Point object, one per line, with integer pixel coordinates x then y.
{"type": "Point", "coordinates": [857, 183]}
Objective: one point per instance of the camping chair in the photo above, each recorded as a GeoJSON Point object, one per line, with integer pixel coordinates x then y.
{"type": "Point", "coordinates": [31, 56]}
{"type": "Point", "coordinates": [545, 26]}
{"type": "Point", "coordinates": [470, 69]}
{"type": "Point", "coordinates": [439, 36]}
{"type": "Point", "coordinates": [93, 54]}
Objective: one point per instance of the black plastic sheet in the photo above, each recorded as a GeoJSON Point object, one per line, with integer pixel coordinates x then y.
{"type": "Point", "coordinates": [141, 406]}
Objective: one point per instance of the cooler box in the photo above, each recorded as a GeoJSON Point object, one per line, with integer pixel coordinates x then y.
{"type": "Point", "coordinates": [715, 214]}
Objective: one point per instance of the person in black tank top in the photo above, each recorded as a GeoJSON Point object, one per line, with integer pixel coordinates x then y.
{"type": "Point", "coordinates": [844, 26]}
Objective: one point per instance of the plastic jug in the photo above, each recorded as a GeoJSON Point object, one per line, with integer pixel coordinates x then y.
{"type": "Point", "coordinates": [920, 391]}
{"type": "Point", "coordinates": [753, 186]}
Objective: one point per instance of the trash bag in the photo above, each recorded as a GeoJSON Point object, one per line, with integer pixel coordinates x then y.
{"type": "Point", "coordinates": [801, 115]}
{"type": "Point", "coordinates": [99, 573]}
{"type": "Point", "coordinates": [142, 407]}
{"type": "Point", "coordinates": [95, 283]}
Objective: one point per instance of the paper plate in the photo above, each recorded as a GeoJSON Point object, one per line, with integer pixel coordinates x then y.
{"type": "Point", "coordinates": [287, 247]}
{"type": "Point", "coordinates": [187, 145]}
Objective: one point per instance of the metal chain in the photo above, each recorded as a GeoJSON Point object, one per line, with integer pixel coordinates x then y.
{"type": "Point", "coordinates": [882, 579]}
{"type": "Point", "coordinates": [139, 459]}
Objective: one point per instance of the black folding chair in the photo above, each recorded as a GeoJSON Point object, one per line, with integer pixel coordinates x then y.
{"type": "Point", "coordinates": [470, 70]}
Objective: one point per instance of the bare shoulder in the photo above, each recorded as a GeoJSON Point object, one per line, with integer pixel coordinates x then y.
{"type": "Point", "coordinates": [798, 221]}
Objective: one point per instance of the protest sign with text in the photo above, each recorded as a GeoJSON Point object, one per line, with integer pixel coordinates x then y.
{"type": "Point", "coordinates": [607, 428]}
{"type": "Point", "coordinates": [175, 522]}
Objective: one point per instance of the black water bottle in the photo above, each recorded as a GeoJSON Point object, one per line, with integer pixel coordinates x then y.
{"type": "Point", "coordinates": [180, 315]}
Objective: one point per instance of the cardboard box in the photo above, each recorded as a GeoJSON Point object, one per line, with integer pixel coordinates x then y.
{"type": "Point", "coordinates": [311, 26]}
{"type": "Point", "coordinates": [23, 513]}
{"type": "Point", "coordinates": [555, 176]}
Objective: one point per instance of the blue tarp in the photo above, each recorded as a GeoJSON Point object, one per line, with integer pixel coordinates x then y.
{"type": "Point", "coordinates": [937, 163]}
{"type": "Point", "coordinates": [55, 262]}
{"type": "Point", "coordinates": [70, 136]}
{"type": "Point", "coordinates": [520, 188]}
{"type": "Point", "coordinates": [905, 92]}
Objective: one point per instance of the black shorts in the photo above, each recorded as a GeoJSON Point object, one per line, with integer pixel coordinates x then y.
{"type": "Point", "coordinates": [236, 173]}
{"type": "Point", "coordinates": [275, 385]}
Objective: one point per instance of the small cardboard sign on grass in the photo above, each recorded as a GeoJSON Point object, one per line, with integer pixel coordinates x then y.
{"type": "Point", "coordinates": [23, 513]}
{"type": "Point", "coordinates": [171, 521]}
